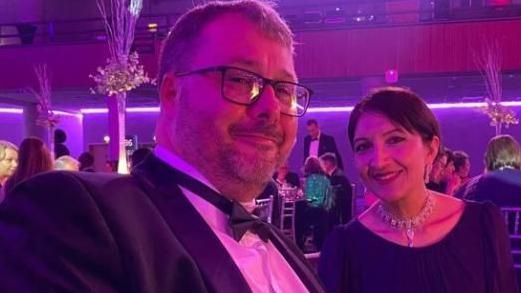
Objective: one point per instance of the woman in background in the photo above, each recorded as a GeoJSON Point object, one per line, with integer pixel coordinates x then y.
{"type": "Point", "coordinates": [33, 158]}
{"type": "Point", "coordinates": [412, 239]}
{"type": "Point", "coordinates": [317, 187]}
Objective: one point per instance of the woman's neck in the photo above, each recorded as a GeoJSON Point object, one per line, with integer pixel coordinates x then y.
{"type": "Point", "coordinates": [408, 206]}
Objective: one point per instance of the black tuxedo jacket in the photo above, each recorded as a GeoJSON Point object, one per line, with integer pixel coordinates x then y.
{"type": "Point", "coordinates": [502, 187]}
{"type": "Point", "coordinates": [326, 144]}
{"type": "Point", "coordinates": [89, 232]}
{"type": "Point", "coordinates": [343, 196]}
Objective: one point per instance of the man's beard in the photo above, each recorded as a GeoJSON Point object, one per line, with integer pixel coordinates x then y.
{"type": "Point", "coordinates": [216, 156]}
{"type": "Point", "coordinates": [245, 168]}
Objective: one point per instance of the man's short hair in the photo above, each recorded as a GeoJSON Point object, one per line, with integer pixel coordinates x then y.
{"type": "Point", "coordinates": [4, 146]}
{"type": "Point", "coordinates": [63, 161]}
{"type": "Point", "coordinates": [139, 155]}
{"type": "Point", "coordinates": [59, 136]}
{"type": "Point", "coordinates": [329, 157]}
{"type": "Point", "coordinates": [86, 160]}
{"type": "Point", "coordinates": [181, 43]}
{"type": "Point", "coordinates": [312, 122]}
{"type": "Point", "coordinates": [503, 151]}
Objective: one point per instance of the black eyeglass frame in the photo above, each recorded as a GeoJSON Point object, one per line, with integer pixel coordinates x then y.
{"type": "Point", "coordinates": [266, 81]}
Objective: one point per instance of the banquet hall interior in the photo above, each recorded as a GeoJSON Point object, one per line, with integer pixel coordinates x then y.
{"type": "Point", "coordinates": [53, 58]}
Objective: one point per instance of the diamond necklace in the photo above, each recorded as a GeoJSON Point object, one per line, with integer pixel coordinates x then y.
{"type": "Point", "coordinates": [407, 224]}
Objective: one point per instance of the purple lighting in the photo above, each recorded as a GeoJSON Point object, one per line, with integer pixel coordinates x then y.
{"type": "Point", "coordinates": [11, 110]}
{"type": "Point", "coordinates": [129, 110]}
{"type": "Point", "coordinates": [316, 109]}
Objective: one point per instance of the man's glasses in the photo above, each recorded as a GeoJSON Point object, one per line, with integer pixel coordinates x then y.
{"type": "Point", "coordinates": [244, 87]}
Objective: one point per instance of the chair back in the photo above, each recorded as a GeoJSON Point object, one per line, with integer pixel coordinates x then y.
{"type": "Point", "coordinates": [512, 216]}
{"type": "Point", "coordinates": [264, 208]}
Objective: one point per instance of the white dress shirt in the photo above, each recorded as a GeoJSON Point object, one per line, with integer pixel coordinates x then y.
{"type": "Point", "coordinates": [261, 264]}
{"type": "Point", "coordinates": [313, 147]}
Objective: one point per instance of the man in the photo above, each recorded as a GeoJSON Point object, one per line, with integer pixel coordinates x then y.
{"type": "Point", "coordinates": [66, 163]}
{"type": "Point", "coordinates": [229, 101]}
{"type": "Point", "coordinates": [501, 182]}
{"type": "Point", "coordinates": [317, 143]}
{"type": "Point", "coordinates": [60, 149]}
{"type": "Point", "coordinates": [343, 192]}
{"type": "Point", "coordinates": [86, 160]}
{"type": "Point", "coordinates": [8, 163]}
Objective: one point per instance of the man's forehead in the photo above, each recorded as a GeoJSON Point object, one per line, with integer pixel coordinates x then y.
{"type": "Point", "coordinates": [283, 73]}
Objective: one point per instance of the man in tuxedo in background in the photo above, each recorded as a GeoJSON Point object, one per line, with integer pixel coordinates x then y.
{"type": "Point", "coordinates": [317, 143]}
{"type": "Point", "coordinates": [229, 101]}
{"type": "Point", "coordinates": [343, 192]}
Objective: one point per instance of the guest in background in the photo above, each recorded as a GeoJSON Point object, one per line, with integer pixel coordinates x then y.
{"type": "Point", "coordinates": [317, 143]}
{"type": "Point", "coordinates": [8, 163]}
{"type": "Point", "coordinates": [451, 180]}
{"type": "Point", "coordinates": [33, 158]}
{"type": "Point", "coordinates": [317, 183]}
{"type": "Point", "coordinates": [342, 191]}
{"type": "Point", "coordinates": [317, 192]}
{"type": "Point", "coordinates": [86, 162]}
{"type": "Point", "coordinates": [284, 176]}
{"type": "Point", "coordinates": [436, 175]}
{"type": "Point", "coordinates": [66, 163]}
{"type": "Point", "coordinates": [501, 182]}
{"type": "Point", "coordinates": [462, 166]}
{"type": "Point", "coordinates": [412, 239]}
{"type": "Point", "coordinates": [138, 156]}
{"type": "Point", "coordinates": [60, 149]}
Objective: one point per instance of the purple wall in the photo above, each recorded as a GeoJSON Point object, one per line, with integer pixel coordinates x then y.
{"type": "Point", "coordinates": [12, 128]}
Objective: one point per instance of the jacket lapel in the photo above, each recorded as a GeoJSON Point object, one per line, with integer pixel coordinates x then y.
{"type": "Point", "coordinates": [216, 265]}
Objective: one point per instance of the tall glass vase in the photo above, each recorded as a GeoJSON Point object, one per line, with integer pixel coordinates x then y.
{"type": "Point", "coordinates": [498, 128]}
{"type": "Point", "coordinates": [117, 151]}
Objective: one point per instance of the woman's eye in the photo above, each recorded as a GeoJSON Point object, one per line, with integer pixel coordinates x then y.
{"type": "Point", "coordinates": [395, 139]}
{"type": "Point", "coordinates": [361, 147]}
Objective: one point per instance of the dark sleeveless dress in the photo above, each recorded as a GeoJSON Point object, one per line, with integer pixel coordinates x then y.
{"type": "Point", "coordinates": [474, 257]}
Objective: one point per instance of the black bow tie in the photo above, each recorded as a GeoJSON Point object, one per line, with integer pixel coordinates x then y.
{"type": "Point", "coordinates": [240, 219]}
{"type": "Point", "coordinates": [313, 139]}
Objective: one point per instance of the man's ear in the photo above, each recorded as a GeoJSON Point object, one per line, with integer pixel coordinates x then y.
{"type": "Point", "coordinates": [168, 91]}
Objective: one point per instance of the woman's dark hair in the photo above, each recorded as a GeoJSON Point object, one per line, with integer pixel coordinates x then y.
{"type": "Point", "coordinates": [312, 166]}
{"type": "Point", "coordinates": [460, 157]}
{"type": "Point", "coordinates": [450, 156]}
{"type": "Point", "coordinates": [402, 107]}
{"type": "Point", "coordinates": [33, 158]}
{"type": "Point", "coordinates": [503, 151]}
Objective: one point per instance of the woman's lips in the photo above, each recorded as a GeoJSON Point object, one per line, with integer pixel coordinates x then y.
{"type": "Point", "coordinates": [385, 177]}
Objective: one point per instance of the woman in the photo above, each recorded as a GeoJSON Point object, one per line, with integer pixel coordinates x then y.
{"type": "Point", "coordinates": [501, 181]}
{"type": "Point", "coordinates": [437, 172]}
{"type": "Point", "coordinates": [33, 158]}
{"type": "Point", "coordinates": [317, 187]}
{"type": "Point", "coordinates": [411, 239]}
{"type": "Point", "coordinates": [317, 183]}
